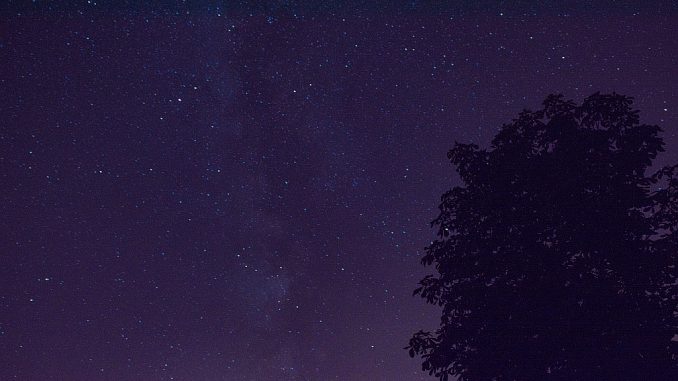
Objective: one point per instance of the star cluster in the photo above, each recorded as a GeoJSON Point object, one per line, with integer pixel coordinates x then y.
{"type": "Point", "coordinates": [243, 193]}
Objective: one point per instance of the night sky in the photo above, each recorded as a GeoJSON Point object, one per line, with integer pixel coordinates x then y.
{"type": "Point", "coordinates": [244, 193]}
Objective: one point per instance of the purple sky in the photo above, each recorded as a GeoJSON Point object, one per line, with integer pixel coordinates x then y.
{"type": "Point", "coordinates": [244, 193]}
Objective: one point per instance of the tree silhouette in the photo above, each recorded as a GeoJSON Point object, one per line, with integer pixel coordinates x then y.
{"type": "Point", "coordinates": [556, 259]}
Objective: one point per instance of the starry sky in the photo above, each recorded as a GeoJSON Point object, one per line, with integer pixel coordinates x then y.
{"type": "Point", "coordinates": [238, 192]}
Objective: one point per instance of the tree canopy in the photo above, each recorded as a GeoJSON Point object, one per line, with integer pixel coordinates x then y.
{"type": "Point", "coordinates": [556, 257]}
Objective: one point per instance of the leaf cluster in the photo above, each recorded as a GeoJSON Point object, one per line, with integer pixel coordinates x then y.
{"type": "Point", "coordinates": [556, 258]}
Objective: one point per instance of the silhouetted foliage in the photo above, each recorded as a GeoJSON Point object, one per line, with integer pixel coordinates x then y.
{"type": "Point", "coordinates": [556, 259]}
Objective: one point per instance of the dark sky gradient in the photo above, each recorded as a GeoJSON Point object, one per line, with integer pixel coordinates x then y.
{"type": "Point", "coordinates": [244, 193]}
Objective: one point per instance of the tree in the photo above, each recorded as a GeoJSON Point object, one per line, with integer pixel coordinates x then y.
{"type": "Point", "coordinates": [556, 258]}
